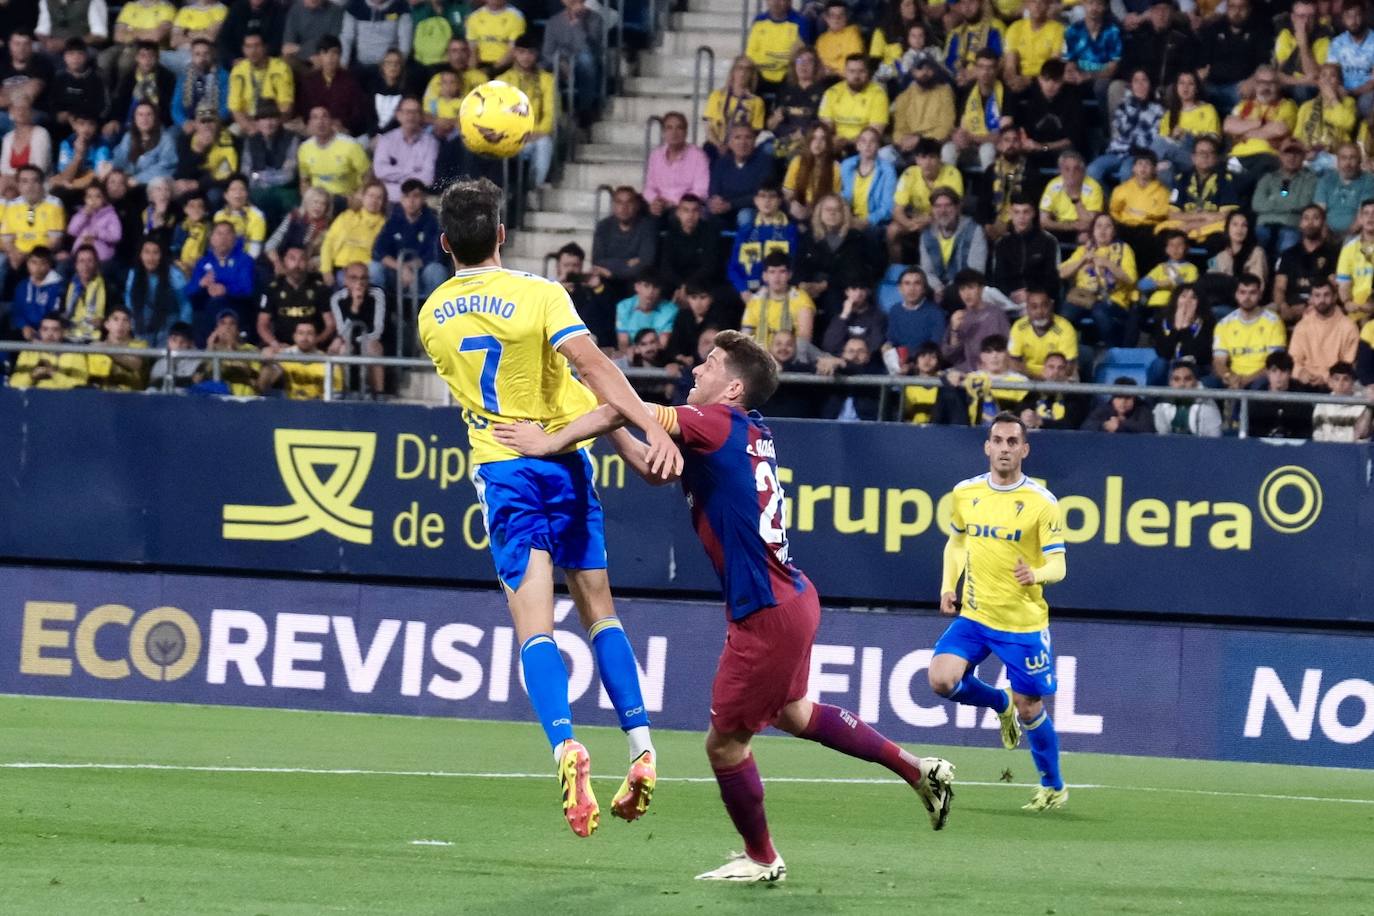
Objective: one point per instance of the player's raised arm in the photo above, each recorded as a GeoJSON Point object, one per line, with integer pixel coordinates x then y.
{"type": "Point", "coordinates": [611, 388]}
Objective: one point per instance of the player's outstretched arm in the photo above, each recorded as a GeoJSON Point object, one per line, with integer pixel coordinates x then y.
{"type": "Point", "coordinates": [635, 454]}
{"type": "Point", "coordinates": [530, 440]}
{"type": "Point", "coordinates": [611, 387]}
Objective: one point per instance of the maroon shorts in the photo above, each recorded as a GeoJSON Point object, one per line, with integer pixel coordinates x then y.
{"type": "Point", "coordinates": [765, 664]}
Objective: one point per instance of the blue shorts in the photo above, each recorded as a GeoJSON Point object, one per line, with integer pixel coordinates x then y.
{"type": "Point", "coordinates": [1029, 657]}
{"type": "Point", "coordinates": [547, 504]}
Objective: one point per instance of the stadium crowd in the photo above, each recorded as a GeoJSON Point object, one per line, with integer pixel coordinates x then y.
{"type": "Point", "coordinates": [973, 192]}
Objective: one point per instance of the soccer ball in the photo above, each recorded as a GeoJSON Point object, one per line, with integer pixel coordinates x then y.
{"type": "Point", "coordinates": [496, 120]}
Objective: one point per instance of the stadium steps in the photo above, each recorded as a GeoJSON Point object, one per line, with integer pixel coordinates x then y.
{"type": "Point", "coordinates": [662, 82]}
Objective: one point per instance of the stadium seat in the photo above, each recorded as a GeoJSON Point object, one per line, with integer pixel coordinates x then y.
{"type": "Point", "coordinates": [889, 296]}
{"type": "Point", "coordinates": [1131, 362]}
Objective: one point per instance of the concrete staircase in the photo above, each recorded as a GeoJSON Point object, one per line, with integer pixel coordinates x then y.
{"type": "Point", "coordinates": [615, 155]}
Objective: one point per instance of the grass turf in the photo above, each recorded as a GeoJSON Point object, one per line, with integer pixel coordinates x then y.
{"type": "Point", "coordinates": [210, 841]}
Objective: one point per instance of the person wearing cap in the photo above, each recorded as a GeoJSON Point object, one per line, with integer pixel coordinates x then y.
{"type": "Point", "coordinates": [237, 375]}
{"type": "Point", "coordinates": [206, 157]}
{"type": "Point", "coordinates": [203, 82]}
{"type": "Point", "coordinates": [59, 23]}
{"type": "Point", "coordinates": [646, 309]}
{"type": "Point", "coordinates": [925, 109]}
{"type": "Point", "coordinates": [492, 30]}
{"type": "Point", "coordinates": [77, 86]}
{"type": "Point", "coordinates": [269, 161]}
{"type": "Point", "coordinates": [256, 79]}
{"type": "Point", "coordinates": [373, 27]}
{"type": "Point", "coordinates": [331, 85]}
{"type": "Point", "coordinates": [538, 85]}
{"type": "Point", "coordinates": [1280, 198]}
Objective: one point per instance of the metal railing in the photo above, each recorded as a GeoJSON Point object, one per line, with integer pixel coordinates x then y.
{"type": "Point", "coordinates": [550, 258]}
{"type": "Point", "coordinates": [601, 190]}
{"type": "Point", "coordinates": [618, 56]}
{"type": "Point", "coordinates": [696, 85]}
{"type": "Point", "coordinates": [886, 384]}
{"type": "Point", "coordinates": [562, 62]}
{"type": "Point", "coordinates": [402, 314]}
{"type": "Point", "coordinates": [649, 144]}
{"type": "Point", "coordinates": [748, 12]}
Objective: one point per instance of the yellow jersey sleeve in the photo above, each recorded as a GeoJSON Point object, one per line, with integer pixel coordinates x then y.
{"type": "Point", "coordinates": [1051, 528]}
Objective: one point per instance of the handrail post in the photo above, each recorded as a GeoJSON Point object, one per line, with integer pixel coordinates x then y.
{"type": "Point", "coordinates": [329, 379]}
{"type": "Point", "coordinates": [404, 255]}
{"type": "Point", "coordinates": [696, 85]}
{"type": "Point", "coordinates": [649, 123]}
{"type": "Point", "coordinates": [217, 367]}
{"type": "Point", "coordinates": [169, 380]}
{"type": "Point", "coordinates": [1244, 419]}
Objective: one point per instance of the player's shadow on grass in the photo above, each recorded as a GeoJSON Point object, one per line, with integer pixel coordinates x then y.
{"type": "Point", "coordinates": [1015, 812]}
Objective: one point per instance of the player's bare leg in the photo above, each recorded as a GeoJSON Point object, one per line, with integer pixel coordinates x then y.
{"type": "Point", "coordinates": [1044, 748]}
{"type": "Point", "coordinates": [741, 789]}
{"type": "Point", "coordinates": [952, 678]}
{"type": "Point", "coordinates": [841, 730]}
{"type": "Point", "coordinates": [546, 679]}
{"type": "Point", "coordinates": [615, 662]}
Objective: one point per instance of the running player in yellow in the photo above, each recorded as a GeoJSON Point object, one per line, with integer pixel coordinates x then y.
{"type": "Point", "coordinates": [1007, 541]}
{"type": "Point", "coordinates": [503, 341]}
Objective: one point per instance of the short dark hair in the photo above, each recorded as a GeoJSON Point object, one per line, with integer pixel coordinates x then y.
{"type": "Point", "coordinates": [1172, 234]}
{"type": "Point", "coordinates": [328, 42]}
{"type": "Point", "coordinates": [1053, 69]}
{"type": "Point", "coordinates": [1022, 199]}
{"type": "Point", "coordinates": [1184, 363]}
{"type": "Point", "coordinates": [54, 316]}
{"type": "Point", "coordinates": [1341, 368]}
{"type": "Point", "coordinates": [987, 54]}
{"type": "Point", "coordinates": [1210, 139]}
{"type": "Point", "coordinates": [650, 276]}
{"type": "Point", "coordinates": [1249, 279]}
{"type": "Point", "coordinates": [748, 361]}
{"type": "Point", "coordinates": [412, 184]}
{"type": "Point", "coordinates": [1006, 416]}
{"type": "Point", "coordinates": [969, 277]}
{"type": "Point", "coordinates": [1141, 152]}
{"type": "Point", "coordinates": [470, 216]}
{"type": "Point", "coordinates": [643, 333]}
{"type": "Point", "coordinates": [118, 308]}
{"type": "Point", "coordinates": [942, 191]}
{"type": "Point", "coordinates": [927, 146]}
{"type": "Point", "coordinates": [574, 249]}
{"type": "Point", "coordinates": [993, 343]}
{"type": "Point", "coordinates": [676, 116]}
{"type": "Point", "coordinates": [769, 187]}
{"type": "Point", "coordinates": [690, 199]}
{"type": "Point", "coordinates": [1279, 359]}
{"type": "Point", "coordinates": [777, 259]}
{"type": "Point", "coordinates": [181, 329]}
{"type": "Point", "coordinates": [41, 251]}
{"type": "Point", "coordinates": [145, 46]}
{"type": "Point", "coordinates": [911, 269]}
{"type": "Point", "coordinates": [861, 58]}
{"type": "Point", "coordinates": [1034, 289]}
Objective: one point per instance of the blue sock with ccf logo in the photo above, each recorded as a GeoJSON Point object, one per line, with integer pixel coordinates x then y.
{"type": "Point", "coordinates": [546, 681]}
{"type": "Point", "coordinates": [615, 662]}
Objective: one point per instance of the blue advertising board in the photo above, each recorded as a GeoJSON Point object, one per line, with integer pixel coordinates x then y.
{"type": "Point", "coordinates": [1154, 524]}
{"type": "Point", "coordinates": [1129, 688]}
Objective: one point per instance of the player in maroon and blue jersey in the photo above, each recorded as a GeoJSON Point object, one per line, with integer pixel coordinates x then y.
{"type": "Point", "coordinates": [730, 476]}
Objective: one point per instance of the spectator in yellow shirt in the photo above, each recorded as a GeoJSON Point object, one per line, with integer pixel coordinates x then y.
{"type": "Point", "coordinates": [492, 30]}
{"type": "Point", "coordinates": [197, 19]}
{"type": "Point", "coordinates": [353, 232]}
{"type": "Point", "coordinates": [247, 220]}
{"type": "Point", "coordinates": [538, 86]}
{"type": "Point", "coordinates": [330, 160]}
{"type": "Point", "coordinates": [735, 103]}
{"type": "Point", "coordinates": [1104, 275]}
{"type": "Point", "coordinates": [1256, 126]}
{"type": "Point", "coordinates": [118, 373]}
{"type": "Point", "coordinates": [1031, 42]}
{"type": "Point", "coordinates": [256, 78]}
{"type": "Point", "coordinates": [30, 220]}
{"type": "Point", "coordinates": [49, 370]}
{"type": "Point", "coordinates": [1140, 204]}
{"type": "Point", "coordinates": [303, 381]}
{"type": "Point", "coordinates": [138, 21]}
{"type": "Point", "coordinates": [840, 40]}
{"type": "Point", "coordinates": [458, 58]}
{"type": "Point", "coordinates": [774, 38]}
{"type": "Point", "coordinates": [911, 200]}
{"type": "Point", "coordinates": [854, 104]}
{"type": "Point", "coordinates": [812, 174]}
{"type": "Point", "coordinates": [1327, 122]}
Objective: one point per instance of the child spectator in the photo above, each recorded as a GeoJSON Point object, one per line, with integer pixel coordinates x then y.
{"type": "Point", "coordinates": [96, 224]}
{"type": "Point", "coordinates": [767, 231]}
{"type": "Point", "coordinates": [118, 373]}
{"type": "Point", "coordinates": [247, 220]}
{"type": "Point", "coordinates": [646, 309]}
{"type": "Point", "coordinates": [780, 306]}
{"type": "Point", "coordinates": [38, 295]}
{"type": "Point", "coordinates": [191, 235]}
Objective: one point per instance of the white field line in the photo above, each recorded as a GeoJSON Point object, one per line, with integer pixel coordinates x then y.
{"type": "Point", "coordinates": [811, 780]}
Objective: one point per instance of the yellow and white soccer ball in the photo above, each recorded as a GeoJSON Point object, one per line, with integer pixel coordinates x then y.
{"type": "Point", "coordinates": [496, 120]}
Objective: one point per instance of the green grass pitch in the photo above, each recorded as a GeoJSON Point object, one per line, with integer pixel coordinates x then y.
{"type": "Point", "coordinates": [207, 834]}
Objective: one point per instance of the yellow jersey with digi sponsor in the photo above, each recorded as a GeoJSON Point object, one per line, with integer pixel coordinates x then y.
{"type": "Point", "coordinates": [494, 336]}
{"type": "Point", "coordinates": [1001, 525]}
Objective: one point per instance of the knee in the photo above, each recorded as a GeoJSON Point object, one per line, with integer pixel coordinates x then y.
{"type": "Point", "coordinates": [942, 682]}
{"type": "Point", "coordinates": [723, 751]}
{"type": "Point", "coordinates": [1028, 708]}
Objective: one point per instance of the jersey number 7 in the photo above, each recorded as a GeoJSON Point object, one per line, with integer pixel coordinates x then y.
{"type": "Point", "coordinates": [492, 347]}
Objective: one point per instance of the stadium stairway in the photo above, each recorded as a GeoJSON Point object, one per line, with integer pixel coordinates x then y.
{"type": "Point", "coordinates": [661, 82]}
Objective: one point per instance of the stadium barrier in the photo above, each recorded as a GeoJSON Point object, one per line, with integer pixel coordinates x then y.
{"type": "Point", "coordinates": [1220, 528]}
{"type": "Point", "coordinates": [1124, 688]}
{"type": "Point", "coordinates": [886, 385]}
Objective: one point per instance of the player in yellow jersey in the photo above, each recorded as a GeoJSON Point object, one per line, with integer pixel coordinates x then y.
{"type": "Point", "coordinates": [1007, 541]}
{"type": "Point", "coordinates": [506, 343]}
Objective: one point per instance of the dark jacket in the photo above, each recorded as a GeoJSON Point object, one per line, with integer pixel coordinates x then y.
{"type": "Point", "coordinates": [1139, 420]}
{"type": "Point", "coordinates": [682, 257]}
{"type": "Point", "coordinates": [1194, 341]}
{"type": "Point", "coordinates": [399, 234]}
{"type": "Point", "coordinates": [1234, 53]}
{"type": "Point", "coordinates": [1277, 420]}
{"type": "Point", "coordinates": [613, 247]}
{"type": "Point", "coordinates": [1057, 411]}
{"type": "Point", "coordinates": [1021, 260]}
{"type": "Point", "coordinates": [1162, 54]}
{"type": "Point", "coordinates": [122, 103]}
{"type": "Point", "coordinates": [855, 262]}
{"type": "Point", "coordinates": [866, 399]}
{"type": "Point", "coordinates": [84, 94]}
{"type": "Point", "coordinates": [1049, 120]}
{"type": "Point", "coordinates": [344, 97]}
{"type": "Point", "coordinates": [738, 183]}
{"type": "Point", "coordinates": [269, 19]}
{"type": "Point", "coordinates": [870, 324]}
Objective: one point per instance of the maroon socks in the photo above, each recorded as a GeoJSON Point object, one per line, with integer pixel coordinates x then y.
{"type": "Point", "coordinates": [841, 730]}
{"type": "Point", "coordinates": [742, 791]}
